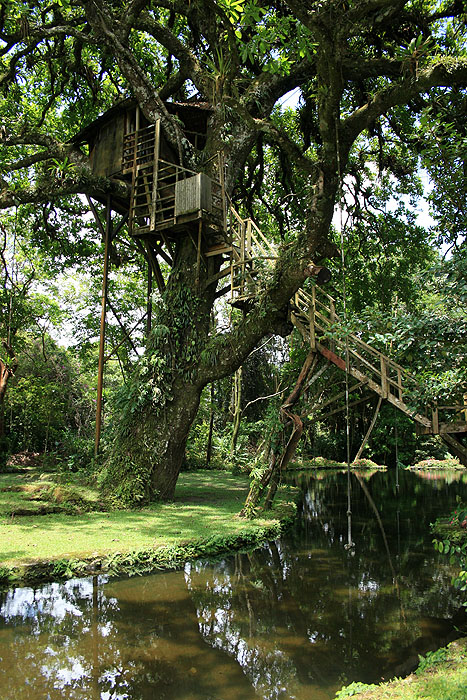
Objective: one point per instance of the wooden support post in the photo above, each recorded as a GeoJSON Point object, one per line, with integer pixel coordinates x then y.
{"type": "Point", "coordinates": [100, 371]}
{"type": "Point", "coordinates": [155, 174]}
{"type": "Point", "coordinates": [198, 252]}
{"type": "Point", "coordinates": [384, 377]}
{"type": "Point", "coordinates": [242, 258]}
{"type": "Point", "coordinates": [435, 419]}
{"type": "Point", "coordinates": [370, 429]}
{"type": "Point", "coordinates": [465, 404]}
{"type": "Point", "coordinates": [149, 302]}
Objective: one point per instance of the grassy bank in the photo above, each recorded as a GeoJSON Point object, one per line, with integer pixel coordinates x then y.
{"type": "Point", "coordinates": [441, 675]}
{"type": "Point", "coordinates": [451, 463]}
{"type": "Point", "coordinates": [51, 530]}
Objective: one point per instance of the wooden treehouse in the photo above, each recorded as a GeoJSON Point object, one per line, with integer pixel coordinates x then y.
{"type": "Point", "coordinates": [167, 200]}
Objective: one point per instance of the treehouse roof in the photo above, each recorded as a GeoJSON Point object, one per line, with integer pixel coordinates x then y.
{"type": "Point", "coordinates": [195, 113]}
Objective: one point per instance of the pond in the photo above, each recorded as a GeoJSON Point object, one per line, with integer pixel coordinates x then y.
{"type": "Point", "coordinates": [297, 618]}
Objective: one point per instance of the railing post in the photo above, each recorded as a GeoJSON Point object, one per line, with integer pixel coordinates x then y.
{"type": "Point", "coordinates": [399, 383]}
{"type": "Point", "coordinates": [384, 377]}
{"type": "Point", "coordinates": [105, 280]}
{"type": "Point", "coordinates": [155, 174]}
{"type": "Point", "coordinates": [312, 312]}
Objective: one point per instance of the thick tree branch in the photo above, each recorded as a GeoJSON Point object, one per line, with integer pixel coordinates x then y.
{"type": "Point", "coordinates": [142, 87]}
{"type": "Point", "coordinates": [188, 61]}
{"type": "Point", "coordinates": [81, 181]}
{"type": "Point", "coordinates": [443, 74]}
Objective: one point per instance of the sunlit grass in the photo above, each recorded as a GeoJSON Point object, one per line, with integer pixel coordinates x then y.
{"type": "Point", "coordinates": [440, 677]}
{"type": "Point", "coordinates": [205, 504]}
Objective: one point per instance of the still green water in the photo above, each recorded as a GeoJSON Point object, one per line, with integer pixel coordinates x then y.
{"type": "Point", "coordinates": [295, 619]}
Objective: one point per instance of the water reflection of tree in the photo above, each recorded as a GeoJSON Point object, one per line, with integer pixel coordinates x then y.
{"type": "Point", "coordinates": [136, 639]}
{"type": "Point", "coordinates": [295, 616]}
{"type": "Point", "coordinates": [54, 632]}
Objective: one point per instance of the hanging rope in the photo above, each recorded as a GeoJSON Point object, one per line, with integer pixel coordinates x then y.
{"type": "Point", "coordinates": [350, 544]}
{"type": "Point", "coordinates": [13, 282]}
{"type": "Point", "coordinates": [397, 449]}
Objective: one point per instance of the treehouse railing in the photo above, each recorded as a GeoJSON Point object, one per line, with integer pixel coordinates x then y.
{"type": "Point", "coordinates": [251, 253]}
{"type": "Point", "coordinates": [156, 198]}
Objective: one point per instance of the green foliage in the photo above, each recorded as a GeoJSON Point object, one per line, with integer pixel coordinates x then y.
{"type": "Point", "coordinates": [354, 688]}
{"type": "Point", "coordinates": [126, 481]}
{"type": "Point", "coordinates": [432, 463]}
{"type": "Point", "coordinates": [64, 67]}
{"type": "Point", "coordinates": [6, 576]}
{"type": "Point", "coordinates": [431, 660]}
{"type": "Point", "coordinates": [454, 543]}
{"type": "Point", "coordinates": [41, 415]}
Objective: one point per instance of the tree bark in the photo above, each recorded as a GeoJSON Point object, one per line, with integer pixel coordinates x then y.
{"type": "Point", "coordinates": [237, 408]}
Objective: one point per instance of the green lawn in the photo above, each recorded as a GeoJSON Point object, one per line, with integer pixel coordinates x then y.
{"type": "Point", "coordinates": [206, 505]}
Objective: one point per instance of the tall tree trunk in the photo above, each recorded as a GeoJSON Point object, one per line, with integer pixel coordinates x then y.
{"type": "Point", "coordinates": [237, 407]}
{"type": "Point", "coordinates": [160, 401]}
{"type": "Point", "coordinates": [158, 404]}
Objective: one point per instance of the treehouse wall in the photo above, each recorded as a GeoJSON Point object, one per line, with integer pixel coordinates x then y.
{"type": "Point", "coordinates": [106, 149]}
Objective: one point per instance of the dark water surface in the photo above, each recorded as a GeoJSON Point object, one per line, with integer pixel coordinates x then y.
{"type": "Point", "coordinates": [295, 619]}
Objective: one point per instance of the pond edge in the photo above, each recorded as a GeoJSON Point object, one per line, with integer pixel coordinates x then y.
{"type": "Point", "coordinates": [152, 559]}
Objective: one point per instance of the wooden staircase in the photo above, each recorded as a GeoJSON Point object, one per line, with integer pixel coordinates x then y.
{"type": "Point", "coordinates": [314, 315]}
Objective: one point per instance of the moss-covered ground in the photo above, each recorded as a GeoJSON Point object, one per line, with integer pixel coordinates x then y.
{"type": "Point", "coordinates": [50, 528]}
{"type": "Point", "coordinates": [324, 463]}
{"type": "Point", "coordinates": [441, 675]}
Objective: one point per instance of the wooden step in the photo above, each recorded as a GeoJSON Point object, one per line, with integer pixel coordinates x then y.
{"type": "Point", "coordinates": [456, 447]}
